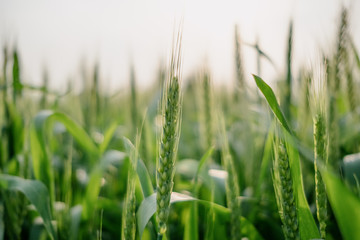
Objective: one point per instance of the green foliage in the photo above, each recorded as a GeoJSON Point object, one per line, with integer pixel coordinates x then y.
{"type": "Point", "coordinates": [129, 220]}
{"type": "Point", "coordinates": [307, 224]}
{"type": "Point", "coordinates": [72, 173]}
{"type": "Point", "coordinates": [37, 194]}
{"type": "Point", "coordinates": [284, 191]}
{"type": "Point", "coordinates": [148, 208]}
{"type": "Point", "coordinates": [41, 160]}
{"type": "Point", "coordinates": [271, 99]}
{"type": "Point", "coordinates": [320, 155]}
{"type": "Point", "coordinates": [345, 204]}
{"type": "Point", "coordinates": [169, 140]}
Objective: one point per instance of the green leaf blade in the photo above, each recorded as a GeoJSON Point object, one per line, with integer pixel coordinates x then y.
{"type": "Point", "coordinates": [345, 204]}
{"type": "Point", "coordinates": [37, 194]}
{"type": "Point", "coordinates": [271, 99]}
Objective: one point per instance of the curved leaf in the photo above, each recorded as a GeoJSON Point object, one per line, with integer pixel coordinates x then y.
{"type": "Point", "coordinates": [107, 137]}
{"type": "Point", "coordinates": [40, 156]}
{"type": "Point", "coordinates": [148, 208]}
{"type": "Point", "coordinates": [74, 129]}
{"type": "Point", "coordinates": [271, 99]}
{"type": "Point", "coordinates": [37, 194]}
{"type": "Point", "coordinates": [143, 174]}
{"type": "Point", "coordinates": [345, 204]}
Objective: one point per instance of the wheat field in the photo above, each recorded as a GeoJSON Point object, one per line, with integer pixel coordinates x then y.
{"type": "Point", "coordinates": [184, 158]}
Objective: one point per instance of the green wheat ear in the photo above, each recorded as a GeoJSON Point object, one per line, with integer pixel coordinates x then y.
{"type": "Point", "coordinates": [129, 215]}
{"type": "Point", "coordinates": [320, 154]}
{"type": "Point", "coordinates": [287, 95]}
{"type": "Point", "coordinates": [232, 185]}
{"type": "Point", "coordinates": [320, 143]}
{"type": "Point", "coordinates": [133, 101]}
{"type": "Point", "coordinates": [208, 126]}
{"type": "Point", "coordinates": [240, 79]}
{"type": "Point", "coordinates": [341, 51]}
{"type": "Point", "coordinates": [335, 89]}
{"type": "Point", "coordinates": [169, 140]}
{"type": "Point", "coordinates": [284, 191]}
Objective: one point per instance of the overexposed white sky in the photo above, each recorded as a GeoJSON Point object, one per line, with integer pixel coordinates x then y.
{"type": "Point", "coordinates": [60, 34]}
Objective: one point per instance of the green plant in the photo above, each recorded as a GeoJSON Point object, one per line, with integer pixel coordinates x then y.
{"type": "Point", "coordinates": [129, 218]}
{"type": "Point", "coordinates": [283, 185]}
{"type": "Point", "coordinates": [320, 144]}
{"type": "Point", "coordinates": [72, 172]}
{"type": "Point", "coordinates": [168, 145]}
{"type": "Point", "coordinates": [232, 186]}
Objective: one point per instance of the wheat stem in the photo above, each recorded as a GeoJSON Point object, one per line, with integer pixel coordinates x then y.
{"type": "Point", "coordinates": [284, 191]}
{"type": "Point", "coordinates": [232, 186]}
{"type": "Point", "coordinates": [320, 154]}
{"type": "Point", "coordinates": [129, 216]}
{"type": "Point", "coordinates": [171, 108]}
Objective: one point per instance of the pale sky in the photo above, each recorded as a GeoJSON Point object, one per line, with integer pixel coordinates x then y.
{"type": "Point", "coordinates": [59, 34]}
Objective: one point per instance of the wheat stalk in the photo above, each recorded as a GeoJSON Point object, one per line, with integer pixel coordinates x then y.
{"type": "Point", "coordinates": [133, 101]}
{"type": "Point", "coordinates": [320, 154]}
{"type": "Point", "coordinates": [129, 217]}
{"type": "Point", "coordinates": [334, 89]}
{"type": "Point", "coordinates": [284, 191]}
{"type": "Point", "coordinates": [287, 93]}
{"type": "Point", "coordinates": [240, 79]}
{"type": "Point", "coordinates": [169, 140]}
{"type": "Point", "coordinates": [318, 97]}
{"type": "Point", "coordinates": [232, 186]}
{"type": "Point", "coordinates": [342, 43]}
{"type": "Point", "coordinates": [207, 128]}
